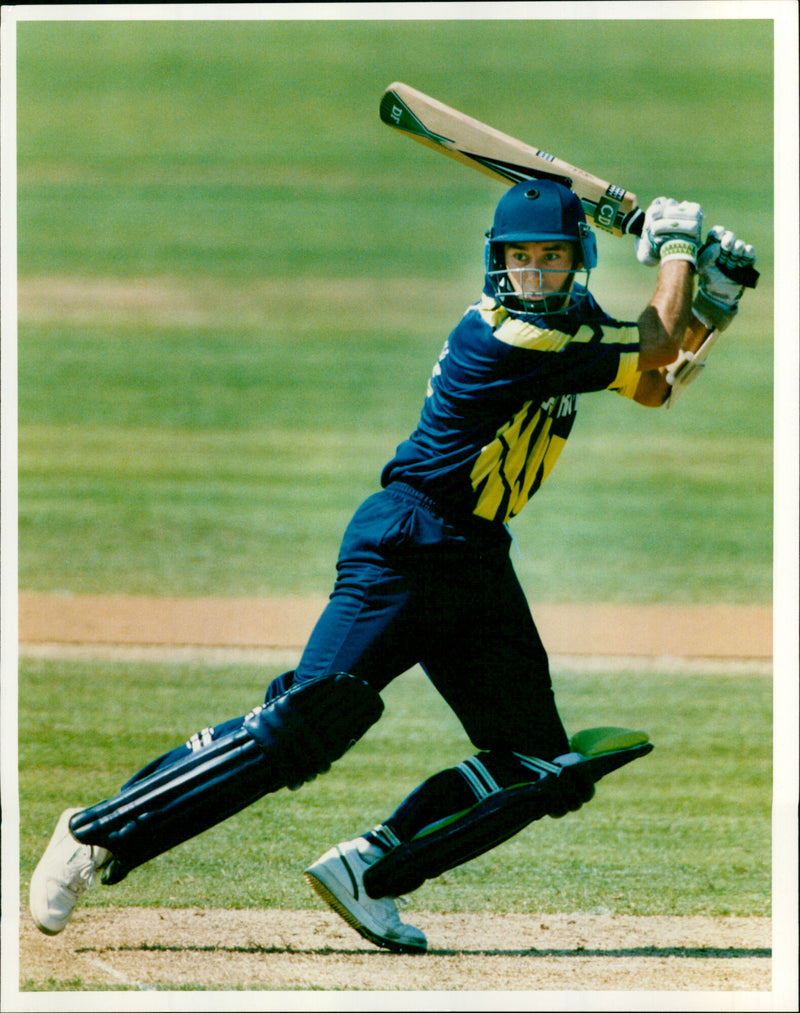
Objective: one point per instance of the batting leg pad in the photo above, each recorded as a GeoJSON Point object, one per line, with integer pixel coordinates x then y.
{"type": "Point", "coordinates": [283, 743]}
{"type": "Point", "coordinates": [562, 787]}
{"type": "Point", "coordinates": [484, 826]}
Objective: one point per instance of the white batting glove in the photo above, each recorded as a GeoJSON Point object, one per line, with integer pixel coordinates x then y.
{"type": "Point", "coordinates": [717, 299]}
{"type": "Point", "coordinates": [671, 231]}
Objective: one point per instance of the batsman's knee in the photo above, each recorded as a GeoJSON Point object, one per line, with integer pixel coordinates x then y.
{"type": "Point", "coordinates": [312, 724]}
{"type": "Point", "coordinates": [563, 785]}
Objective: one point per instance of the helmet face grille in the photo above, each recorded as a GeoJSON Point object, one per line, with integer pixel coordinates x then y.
{"type": "Point", "coordinates": [537, 305]}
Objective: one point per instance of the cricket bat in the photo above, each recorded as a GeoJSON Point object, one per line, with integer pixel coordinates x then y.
{"type": "Point", "coordinates": [508, 160]}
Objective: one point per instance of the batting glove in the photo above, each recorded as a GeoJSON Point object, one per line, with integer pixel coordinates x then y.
{"type": "Point", "coordinates": [717, 299]}
{"type": "Point", "coordinates": [671, 231]}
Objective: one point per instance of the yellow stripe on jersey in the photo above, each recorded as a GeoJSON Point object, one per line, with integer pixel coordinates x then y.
{"type": "Point", "coordinates": [511, 468]}
{"type": "Point", "coordinates": [628, 375]}
{"type": "Point", "coordinates": [491, 312]}
{"type": "Point", "coordinates": [519, 334]}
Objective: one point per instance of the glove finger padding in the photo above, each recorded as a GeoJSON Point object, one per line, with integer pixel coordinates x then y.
{"type": "Point", "coordinates": [718, 295]}
{"type": "Point", "coordinates": [735, 254]}
{"type": "Point", "coordinates": [722, 250]}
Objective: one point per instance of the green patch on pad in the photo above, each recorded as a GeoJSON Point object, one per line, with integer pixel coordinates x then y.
{"type": "Point", "coordinates": [598, 741]}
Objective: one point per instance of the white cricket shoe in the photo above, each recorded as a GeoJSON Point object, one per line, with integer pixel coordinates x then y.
{"type": "Point", "coordinates": [65, 871]}
{"type": "Point", "coordinates": [338, 878]}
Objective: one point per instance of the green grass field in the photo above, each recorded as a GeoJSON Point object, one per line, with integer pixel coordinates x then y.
{"type": "Point", "coordinates": [683, 831]}
{"type": "Point", "coordinates": [234, 281]}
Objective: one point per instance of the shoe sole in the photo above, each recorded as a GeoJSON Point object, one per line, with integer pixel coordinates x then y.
{"type": "Point", "coordinates": [354, 922]}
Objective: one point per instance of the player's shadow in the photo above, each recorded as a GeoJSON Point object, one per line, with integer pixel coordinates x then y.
{"type": "Point", "coordinates": [691, 952]}
{"type": "Point", "coordinates": [686, 952]}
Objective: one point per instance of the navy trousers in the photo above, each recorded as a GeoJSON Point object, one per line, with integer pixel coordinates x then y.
{"type": "Point", "coordinates": [414, 588]}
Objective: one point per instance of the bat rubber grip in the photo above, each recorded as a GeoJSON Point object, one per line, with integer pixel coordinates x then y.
{"type": "Point", "coordinates": [746, 276]}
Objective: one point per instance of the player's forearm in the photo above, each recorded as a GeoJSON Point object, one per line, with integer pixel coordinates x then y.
{"type": "Point", "coordinates": [696, 334]}
{"type": "Point", "coordinates": [653, 389]}
{"type": "Point", "coordinates": [665, 322]}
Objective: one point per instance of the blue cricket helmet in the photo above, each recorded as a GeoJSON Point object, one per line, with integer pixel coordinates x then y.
{"type": "Point", "coordinates": [538, 210]}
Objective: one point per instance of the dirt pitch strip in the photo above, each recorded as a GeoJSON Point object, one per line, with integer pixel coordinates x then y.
{"type": "Point", "coordinates": [133, 948]}
{"type": "Point", "coordinates": [170, 949]}
{"type": "Point", "coordinates": [110, 623]}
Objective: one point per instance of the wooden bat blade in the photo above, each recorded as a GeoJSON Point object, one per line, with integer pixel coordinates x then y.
{"type": "Point", "coordinates": [396, 113]}
{"type": "Point", "coordinates": [501, 156]}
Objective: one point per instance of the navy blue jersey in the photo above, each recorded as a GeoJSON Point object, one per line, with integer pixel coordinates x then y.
{"type": "Point", "coordinates": [501, 402]}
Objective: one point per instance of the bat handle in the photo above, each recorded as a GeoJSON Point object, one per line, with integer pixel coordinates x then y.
{"type": "Point", "coordinates": [633, 223]}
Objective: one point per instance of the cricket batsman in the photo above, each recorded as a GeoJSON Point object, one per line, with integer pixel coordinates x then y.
{"type": "Point", "coordinates": [424, 577]}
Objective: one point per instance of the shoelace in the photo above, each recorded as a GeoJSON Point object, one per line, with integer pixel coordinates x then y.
{"type": "Point", "coordinates": [83, 875]}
